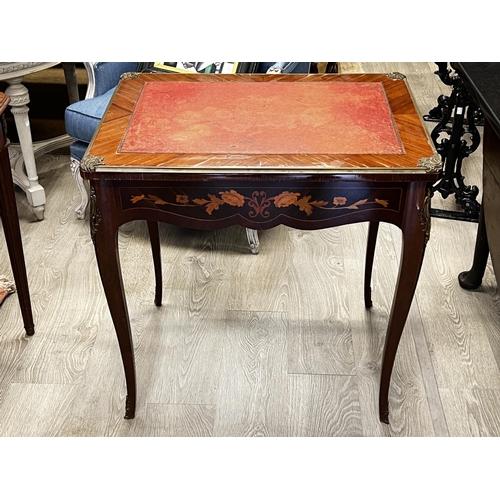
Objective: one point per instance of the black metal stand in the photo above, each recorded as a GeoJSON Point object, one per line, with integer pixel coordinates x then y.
{"type": "Point", "coordinates": [455, 137]}
{"type": "Point", "coordinates": [436, 113]}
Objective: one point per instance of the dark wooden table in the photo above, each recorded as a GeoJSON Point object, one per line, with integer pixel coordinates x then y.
{"type": "Point", "coordinates": [10, 222]}
{"type": "Point", "coordinates": [483, 82]}
{"type": "Point", "coordinates": [307, 151]}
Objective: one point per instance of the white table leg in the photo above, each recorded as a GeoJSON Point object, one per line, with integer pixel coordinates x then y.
{"type": "Point", "coordinates": [28, 181]}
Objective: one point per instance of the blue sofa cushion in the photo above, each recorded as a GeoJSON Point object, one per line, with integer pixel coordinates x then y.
{"type": "Point", "coordinates": [83, 117]}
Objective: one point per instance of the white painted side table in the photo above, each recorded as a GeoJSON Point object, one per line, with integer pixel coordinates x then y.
{"type": "Point", "coordinates": [22, 157]}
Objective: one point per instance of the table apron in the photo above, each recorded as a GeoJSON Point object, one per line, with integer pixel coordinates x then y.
{"type": "Point", "coordinates": [258, 205]}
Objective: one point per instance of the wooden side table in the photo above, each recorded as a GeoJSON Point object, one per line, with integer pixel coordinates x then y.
{"type": "Point", "coordinates": [307, 151]}
{"type": "Point", "coordinates": [10, 222]}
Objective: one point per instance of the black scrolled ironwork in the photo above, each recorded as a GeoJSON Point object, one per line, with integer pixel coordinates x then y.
{"type": "Point", "coordinates": [437, 113]}
{"type": "Point", "coordinates": [455, 138]}
{"type": "Point", "coordinates": [448, 77]}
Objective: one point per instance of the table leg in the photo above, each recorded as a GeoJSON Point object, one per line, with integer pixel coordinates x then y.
{"type": "Point", "coordinates": [104, 232]}
{"type": "Point", "coordinates": [10, 221]}
{"type": "Point", "coordinates": [35, 193]}
{"type": "Point", "coordinates": [370, 253]}
{"type": "Point", "coordinates": [154, 236]}
{"type": "Point", "coordinates": [471, 279]}
{"type": "Point", "coordinates": [415, 229]}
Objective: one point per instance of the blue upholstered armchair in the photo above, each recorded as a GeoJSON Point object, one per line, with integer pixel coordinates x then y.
{"type": "Point", "coordinates": [83, 117]}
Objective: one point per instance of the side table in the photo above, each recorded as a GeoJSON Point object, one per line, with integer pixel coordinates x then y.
{"type": "Point", "coordinates": [23, 162]}
{"type": "Point", "coordinates": [307, 151]}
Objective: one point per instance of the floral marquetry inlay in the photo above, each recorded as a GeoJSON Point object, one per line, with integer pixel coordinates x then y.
{"type": "Point", "coordinates": [259, 202]}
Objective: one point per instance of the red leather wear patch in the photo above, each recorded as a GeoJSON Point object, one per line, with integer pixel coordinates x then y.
{"type": "Point", "coordinates": [331, 118]}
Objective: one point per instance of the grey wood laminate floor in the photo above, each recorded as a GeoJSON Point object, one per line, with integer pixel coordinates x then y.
{"type": "Point", "coordinates": [275, 344]}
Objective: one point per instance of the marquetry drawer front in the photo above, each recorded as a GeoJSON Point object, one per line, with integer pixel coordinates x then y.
{"type": "Point", "coordinates": [265, 205]}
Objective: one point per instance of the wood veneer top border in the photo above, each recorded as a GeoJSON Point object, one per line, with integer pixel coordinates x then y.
{"type": "Point", "coordinates": [102, 156]}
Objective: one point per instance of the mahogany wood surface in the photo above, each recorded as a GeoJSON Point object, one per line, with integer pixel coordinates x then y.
{"type": "Point", "coordinates": [10, 222]}
{"type": "Point", "coordinates": [259, 191]}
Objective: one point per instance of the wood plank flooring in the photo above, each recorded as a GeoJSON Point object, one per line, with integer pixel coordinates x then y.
{"type": "Point", "coordinates": [275, 344]}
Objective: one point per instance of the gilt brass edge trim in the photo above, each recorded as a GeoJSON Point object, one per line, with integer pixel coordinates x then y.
{"type": "Point", "coordinates": [433, 165]}
{"type": "Point", "coordinates": [396, 75]}
{"type": "Point", "coordinates": [128, 410]}
{"type": "Point", "coordinates": [129, 75]}
{"type": "Point", "coordinates": [425, 216]}
{"type": "Point", "coordinates": [95, 214]}
{"type": "Point", "coordinates": [90, 163]}
{"type": "Point", "coordinates": [242, 170]}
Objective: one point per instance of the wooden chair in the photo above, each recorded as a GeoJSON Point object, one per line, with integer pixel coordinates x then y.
{"type": "Point", "coordinates": [10, 222]}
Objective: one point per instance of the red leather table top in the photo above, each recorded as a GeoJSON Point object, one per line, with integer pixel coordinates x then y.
{"type": "Point", "coordinates": [269, 118]}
